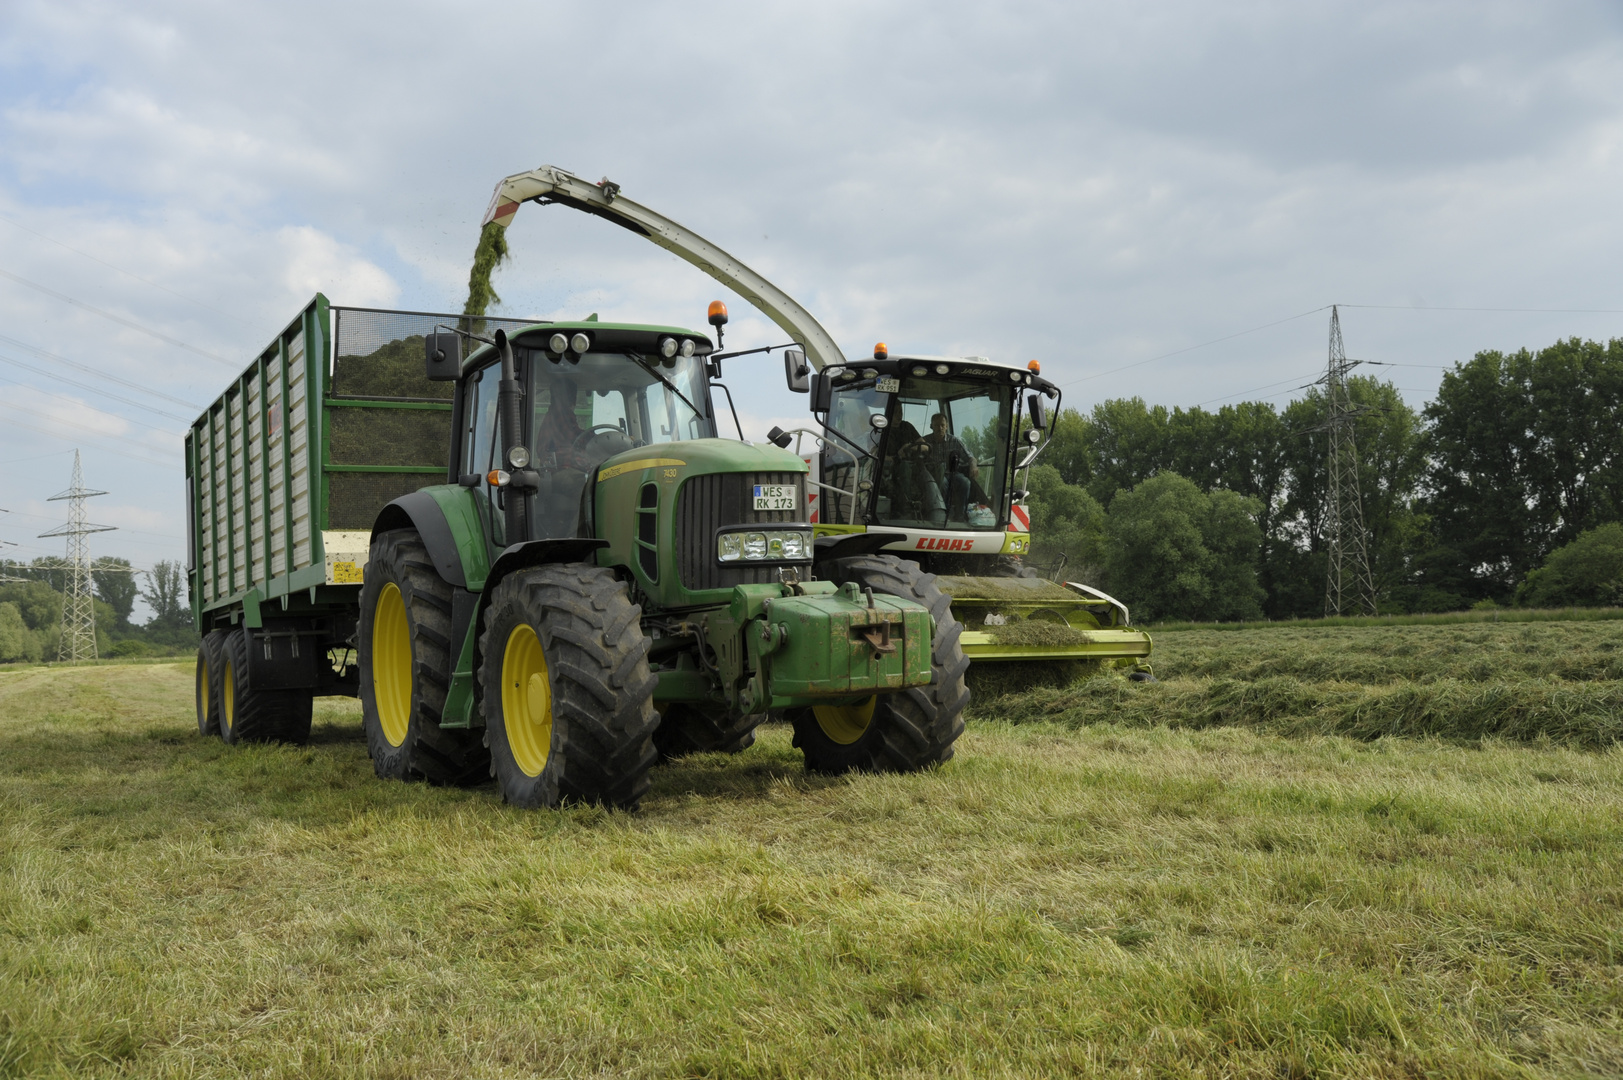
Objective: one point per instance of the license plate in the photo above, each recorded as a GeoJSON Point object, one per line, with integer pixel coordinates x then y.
{"type": "Point", "coordinates": [774, 496]}
{"type": "Point", "coordinates": [887, 386]}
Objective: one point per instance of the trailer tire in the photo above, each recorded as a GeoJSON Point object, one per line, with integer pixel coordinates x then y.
{"type": "Point", "coordinates": [405, 654]}
{"type": "Point", "coordinates": [906, 730]}
{"type": "Point", "coordinates": [687, 729]}
{"type": "Point", "coordinates": [210, 662]}
{"type": "Point", "coordinates": [567, 695]}
{"type": "Point", "coordinates": [247, 715]}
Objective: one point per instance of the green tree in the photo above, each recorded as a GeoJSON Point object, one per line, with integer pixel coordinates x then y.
{"type": "Point", "coordinates": [165, 595]}
{"type": "Point", "coordinates": [17, 641]}
{"type": "Point", "coordinates": [1173, 551]}
{"type": "Point", "coordinates": [1129, 441]}
{"type": "Point", "coordinates": [1065, 521]}
{"type": "Point", "coordinates": [1586, 573]}
{"type": "Point", "coordinates": [1524, 456]}
{"type": "Point", "coordinates": [38, 603]}
{"type": "Point", "coordinates": [116, 587]}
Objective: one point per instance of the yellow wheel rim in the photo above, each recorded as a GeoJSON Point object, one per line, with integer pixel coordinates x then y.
{"type": "Point", "coordinates": [203, 687]}
{"type": "Point", "coordinates": [228, 697]}
{"type": "Point", "coordinates": [845, 723]}
{"type": "Point", "coordinates": [527, 701]}
{"type": "Point", "coordinates": [391, 664]}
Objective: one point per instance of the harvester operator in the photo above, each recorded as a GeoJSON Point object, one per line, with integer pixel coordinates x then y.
{"type": "Point", "coordinates": [952, 465]}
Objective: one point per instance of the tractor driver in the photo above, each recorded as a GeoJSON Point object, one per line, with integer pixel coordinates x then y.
{"type": "Point", "coordinates": [951, 463]}
{"type": "Point", "coordinates": [559, 462]}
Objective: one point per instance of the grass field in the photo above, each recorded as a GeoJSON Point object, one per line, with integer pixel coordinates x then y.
{"type": "Point", "coordinates": [1078, 893]}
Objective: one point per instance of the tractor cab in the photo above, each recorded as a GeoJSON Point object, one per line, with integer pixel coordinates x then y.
{"type": "Point", "coordinates": [923, 442]}
{"type": "Point", "coordinates": [589, 392]}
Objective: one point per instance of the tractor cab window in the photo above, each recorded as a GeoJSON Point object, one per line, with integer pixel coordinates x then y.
{"type": "Point", "coordinates": [481, 439]}
{"type": "Point", "coordinates": [944, 455]}
{"type": "Point", "coordinates": [581, 414]}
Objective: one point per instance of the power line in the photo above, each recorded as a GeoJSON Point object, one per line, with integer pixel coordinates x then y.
{"type": "Point", "coordinates": [88, 370]}
{"type": "Point", "coordinates": [121, 270]}
{"type": "Point", "coordinates": [4, 359]}
{"type": "Point", "coordinates": [1192, 348]}
{"type": "Point", "coordinates": [85, 433]}
{"type": "Point", "coordinates": [121, 320]}
{"type": "Point", "coordinates": [1503, 310]}
{"type": "Point", "coordinates": [81, 404]}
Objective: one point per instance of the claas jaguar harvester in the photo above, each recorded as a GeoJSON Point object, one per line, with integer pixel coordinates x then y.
{"type": "Point", "coordinates": [526, 550]}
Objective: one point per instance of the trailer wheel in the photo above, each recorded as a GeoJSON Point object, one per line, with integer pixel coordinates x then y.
{"type": "Point", "coordinates": [688, 729]}
{"type": "Point", "coordinates": [210, 665]}
{"type": "Point", "coordinates": [902, 731]}
{"type": "Point", "coordinates": [405, 653]}
{"type": "Point", "coordinates": [567, 695]}
{"type": "Point", "coordinates": [247, 715]}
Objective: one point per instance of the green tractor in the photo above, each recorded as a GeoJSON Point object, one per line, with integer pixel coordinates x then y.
{"type": "Point", "coordinates": [595, 580]}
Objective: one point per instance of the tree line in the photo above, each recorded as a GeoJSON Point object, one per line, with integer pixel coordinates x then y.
{"type": "Point", "coordinates": [33, 594]}
{"type": "Point", "coordinates": [1507, 489]}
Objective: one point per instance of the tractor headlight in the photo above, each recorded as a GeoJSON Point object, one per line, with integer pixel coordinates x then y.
{"type": "Point", "coordinates": [764, 545]}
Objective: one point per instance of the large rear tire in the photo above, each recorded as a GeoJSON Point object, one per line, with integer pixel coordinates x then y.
{"type": "Point", "coordinates": [568, 698]}
{"type": "Point", "coordinates": [251, 715]}
{"type": "Point", "coordinates": [906, 730]}
{"type": "Point", "coordinates": [405, 653]}
{"type": "Point", "coordinates": [210, 665]}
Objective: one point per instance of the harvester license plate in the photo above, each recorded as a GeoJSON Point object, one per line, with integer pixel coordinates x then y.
{"type": "Point", "coordinates": [774, 496]}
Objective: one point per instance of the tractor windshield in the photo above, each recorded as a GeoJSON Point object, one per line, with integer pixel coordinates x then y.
{"type": "Point", "coordinates": [582, 413]}
{"type": "Point", "coordinates": [940, 462]}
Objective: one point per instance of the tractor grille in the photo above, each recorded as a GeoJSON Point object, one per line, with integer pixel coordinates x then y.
{"type": "Point", "coordinates": [708, 502]}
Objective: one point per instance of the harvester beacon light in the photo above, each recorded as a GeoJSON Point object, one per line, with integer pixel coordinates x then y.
{"type": "Point", "coordinates": [667, 347]}
{"type": "Point", "coordinates": [687, 347]}
{"type": "Point", "coordinates": [559, 343]}
{"type": "Point", "coordinates": [1035, 368]}
{"type": "Point", "coordinates": [880, 352]}
{"type": "Point", "coordinates": [580, 343]}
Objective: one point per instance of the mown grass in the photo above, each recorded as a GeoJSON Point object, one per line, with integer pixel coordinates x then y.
{"type": "Point", "coordinates": [1439, 618]}
{"type": "Point", "coordinates": [1103, 901]}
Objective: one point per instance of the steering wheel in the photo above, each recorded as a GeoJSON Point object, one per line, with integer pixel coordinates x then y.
{"type": "Point", "coordinates": [585, 437]}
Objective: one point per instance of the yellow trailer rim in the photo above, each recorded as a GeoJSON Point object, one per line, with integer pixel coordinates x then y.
{"type": "Point", "coordinates": [228, 696]}
{"type": "Point", "coordinates": [845, 724]}
{"type": "Point", "coordinates": [527, 701]}
{"type": "Point", "coordinates": [391, 664]}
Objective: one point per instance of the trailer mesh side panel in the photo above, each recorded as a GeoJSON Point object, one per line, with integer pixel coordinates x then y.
{"type": "Point", "coordinates": [379, 354]}
{"type": "Point", "coordinates": [706, 503]}
{"type": "Point", "coordinates": [389, 437]}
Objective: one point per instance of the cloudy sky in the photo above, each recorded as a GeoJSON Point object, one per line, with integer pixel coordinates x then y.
{"type": "Point", "coordinates": [1093, 185]}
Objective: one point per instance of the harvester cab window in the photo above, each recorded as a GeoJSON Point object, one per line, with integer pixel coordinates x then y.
{"type": "Point", "coordinates": [944, 455]}
{"type": "Point", "coordinates": [848, 458]}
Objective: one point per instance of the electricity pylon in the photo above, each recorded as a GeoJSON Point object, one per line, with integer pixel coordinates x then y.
{"type": "Point", "coordinates": [1347, 578]}
{"type": "Point", "coordinates": [79, 608]}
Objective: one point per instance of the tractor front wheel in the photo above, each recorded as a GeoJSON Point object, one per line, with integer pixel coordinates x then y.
{"type": "Point", "coordinates": [905, 730]}
{"type": "Point", "coordinates": [568, 698]}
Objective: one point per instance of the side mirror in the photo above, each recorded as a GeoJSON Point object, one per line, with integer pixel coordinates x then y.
{"type": "Point", "coordinates": [442, 357]}
{"type": "Point", "coordinates": [796, 371]}
{"type": "Point", "coordinates": [1038, 411]}
{"type": "Point", "coordinates": [821, 392]}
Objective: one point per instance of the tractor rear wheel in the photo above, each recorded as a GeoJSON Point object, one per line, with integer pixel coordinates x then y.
{"type": "Point", "coordinates": [210, 666]}
{"type": "Point", "coordinates": [906, 730]}
{"type": "Point", "coordinates": [250, 715]}
{"type": "Point", "coordinates": [689, 729]}
{"type": "Point", "coordinates": [405, 653]}
{"type": "Point", "coordinates": [568, 698]}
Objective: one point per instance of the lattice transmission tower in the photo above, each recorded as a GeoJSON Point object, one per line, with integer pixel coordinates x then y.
{"type": "Point", "coordinates": [1347, 579]}
{"type": "Point", "coordinates": [79, 609]}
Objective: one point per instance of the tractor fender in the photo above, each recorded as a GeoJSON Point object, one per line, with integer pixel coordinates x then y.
{"type": "Point", "coordinates": [845, 545]}
{"type": "Point", "coordinates": [537, 552]}
{"type": "Point", "coordinates": [447, 518]}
